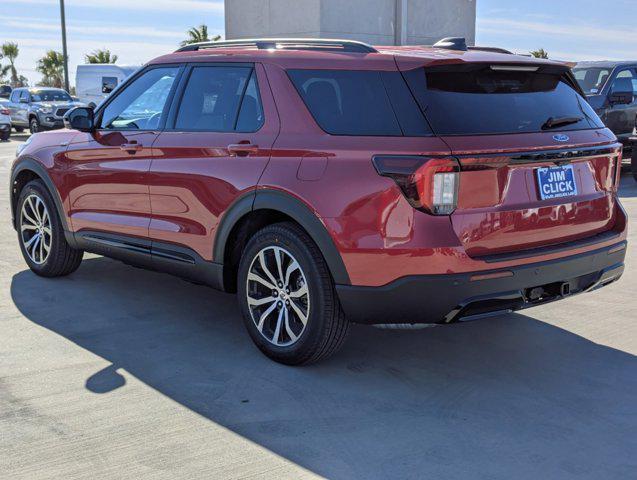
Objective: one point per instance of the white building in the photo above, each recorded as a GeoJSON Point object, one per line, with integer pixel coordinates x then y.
{"type": "Point", "coordinates": [379, 22]}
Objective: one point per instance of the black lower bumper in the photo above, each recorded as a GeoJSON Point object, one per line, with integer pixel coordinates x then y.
{"type": "Point", "coordinates": [451, 298]}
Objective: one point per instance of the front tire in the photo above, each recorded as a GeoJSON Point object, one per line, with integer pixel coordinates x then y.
{"type": "Point", "coordinates": [34, 125]}
{"type": "Point", "coordinates": [40, 233]}
{"type": "Point", "coordinates": [287, 297]}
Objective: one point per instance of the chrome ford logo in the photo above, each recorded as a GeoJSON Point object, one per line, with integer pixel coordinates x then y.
{"type": "Point", "coordinates": [561, 138]}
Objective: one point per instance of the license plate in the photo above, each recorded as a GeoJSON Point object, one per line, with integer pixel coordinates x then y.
{"type": "Point", "coordinates": [556, 182]}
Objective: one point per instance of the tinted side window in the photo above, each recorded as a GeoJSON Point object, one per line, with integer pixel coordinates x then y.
{"type": "Point", "coordinates": [212, 98]}
{"type": "Point", "coordinates": [251, 113]}
{"type": "Point", "coordinates": [141, 103]}
{"type": "Point", "coordinates": [624, 81]}
{"type": "Point", "coordinates": [412, 121]}
{"type": "Point", "coordinates": [15, 96]}
{"type": "Point", "coordinates": [25, 94]}
{"type": "Point", "coordinates": [347, 102]}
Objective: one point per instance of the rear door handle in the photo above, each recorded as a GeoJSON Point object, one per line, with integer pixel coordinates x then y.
{"type": "Point", "coordinates": [242, 149]}
{"type": "Point", "coordinates": [131, 147]}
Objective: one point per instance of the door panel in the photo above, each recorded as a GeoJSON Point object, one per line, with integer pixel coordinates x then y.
{"type": "Point", "coordinates": [107, 170]}
{"type": "Point", "coordinates": [108, 184]}
{"type": "Point", "coordinates": [621, 118]}
{"type": "Point", "coordinates": [196, 175]}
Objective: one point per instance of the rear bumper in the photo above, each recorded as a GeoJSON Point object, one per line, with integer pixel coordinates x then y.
{"type": "Point", "coordinates": [450, 298]}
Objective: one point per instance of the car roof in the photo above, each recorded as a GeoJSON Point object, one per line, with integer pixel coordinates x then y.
{"type": "Point", "coordinates": [606, 63]}
{"type": "Point", "coordinates": [37, 89]}
{"type": "Point", "coordinates": [380, 58]}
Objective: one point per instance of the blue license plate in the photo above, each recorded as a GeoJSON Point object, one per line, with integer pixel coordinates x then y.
{"type": "Point", "coordinates": [556, 182]}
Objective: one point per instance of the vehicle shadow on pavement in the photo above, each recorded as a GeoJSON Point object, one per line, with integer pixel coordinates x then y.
{"type": "Point", "coordinates": [504, 397]}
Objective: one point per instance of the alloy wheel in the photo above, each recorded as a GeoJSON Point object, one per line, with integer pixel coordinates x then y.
{"type": "Point", "coordinates": [35, 229]}
{"type": "Point", "coordinates": [278, 296]}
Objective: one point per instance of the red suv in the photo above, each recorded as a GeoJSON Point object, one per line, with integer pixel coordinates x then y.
{"type": "Point", "coordinates": [329, 182]}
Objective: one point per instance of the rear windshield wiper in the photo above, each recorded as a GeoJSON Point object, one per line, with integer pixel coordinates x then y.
{"type": "Point", "coordinates": [554, 122]}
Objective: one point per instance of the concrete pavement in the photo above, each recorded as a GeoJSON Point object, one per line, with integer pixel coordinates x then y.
{"type": "Point", "coordinates": [116, 372]}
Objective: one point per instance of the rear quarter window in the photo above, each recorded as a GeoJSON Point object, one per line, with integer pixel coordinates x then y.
{"type": "Point", "coordinates": [360, 103]}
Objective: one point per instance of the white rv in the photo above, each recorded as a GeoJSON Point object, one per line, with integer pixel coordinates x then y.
{"type": "Point", "coordinates": [94, 81]}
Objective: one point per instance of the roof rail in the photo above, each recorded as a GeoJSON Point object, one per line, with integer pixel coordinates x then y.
{"type": "Point", "coordinates": [452, 43]}
{"type": "Point", "coordinates": [492, 49]}
{"type": "Point", "coordinates": [350, 46]}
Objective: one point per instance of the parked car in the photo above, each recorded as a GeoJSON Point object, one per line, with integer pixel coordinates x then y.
{"type": "Point", "coordinates": [611, 89]}
{"type": "Point", "coordinates": [633, 163]}
{"type": "Point", "coordinates": [39, 108]}
{"type": "Point", "coordinates": [328, 182]}
{"type": "Point", "coordinates": [94, 82]}
{"type": "Point", "coordinates": [5, 91]}
{"type": "Point", "coordinates": [5, 121]}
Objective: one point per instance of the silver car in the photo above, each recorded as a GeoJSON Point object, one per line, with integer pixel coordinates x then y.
{"type": "Point", "coordinates": [39, 108]}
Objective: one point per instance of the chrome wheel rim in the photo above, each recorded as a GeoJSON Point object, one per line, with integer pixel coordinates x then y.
{"type": "Point", "coordinates": [278, 296]}
{"type": "Point", "coordinates": [35, 229]}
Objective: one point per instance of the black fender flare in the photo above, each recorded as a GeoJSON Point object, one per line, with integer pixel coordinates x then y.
{"type": "Point", "coordinates": [295, 209]}
{"type": "Point", "coordinates": [37, 168]}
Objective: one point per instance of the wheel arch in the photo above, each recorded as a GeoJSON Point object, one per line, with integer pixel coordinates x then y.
{"type": "Point", "coordinates": [27, 170]}
{"type": "Point", "coordinates": [263, 207]}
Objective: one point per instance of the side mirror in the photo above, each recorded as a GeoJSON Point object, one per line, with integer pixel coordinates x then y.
{"type": "Point", "coordinates": [80, 118]}
{"type": "Point", "coordinates": [620, 98]}
{"type": "Point", "coordinates": [23, 100]}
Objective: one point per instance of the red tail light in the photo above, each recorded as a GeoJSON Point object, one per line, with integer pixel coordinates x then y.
{"type": "Point", "coordinates": [4, 111]}
{"type": "Point", "coordinates": [429, 184]}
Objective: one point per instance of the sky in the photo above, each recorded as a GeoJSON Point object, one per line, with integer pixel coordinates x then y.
{"type": "Point", "coordinates": [139, 30]}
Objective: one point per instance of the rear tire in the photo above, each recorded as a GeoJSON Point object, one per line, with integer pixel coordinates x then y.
{"type": "Point", "coordinates": [274, 313]}
{"type": "Point", "coordinates": [40, 233]}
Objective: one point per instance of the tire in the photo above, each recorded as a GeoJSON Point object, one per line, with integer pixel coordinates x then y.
{"type": "Point", "coordinates": [34, 125]}
{"type": "Point", "coordinates": [633, 162]}
{"type": "Point", "coordinates": [6, 135]}
{"type": "Point", "coordinates": [18, 129]}
{"type": "Point", "coordinates": [36, 215]}
{"type": "Point", "coordinates": [325, 328]}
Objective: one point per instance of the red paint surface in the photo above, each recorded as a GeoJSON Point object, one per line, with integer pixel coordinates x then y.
{"type": "Point", "coordinates": [179, 186]}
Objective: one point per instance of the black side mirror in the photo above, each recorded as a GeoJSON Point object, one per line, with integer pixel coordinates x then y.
{"type": "Point", "coordinates": [620, 98]}
{"type": "Point", "coordinates": [80, 118]}
{"type": "Point", "coordinates": [23, 100]}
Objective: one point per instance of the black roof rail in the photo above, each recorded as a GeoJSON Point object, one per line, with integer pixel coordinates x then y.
{"type": "Point", "coordinates": [492, 49]}
{"type": "Point", "coordinates": [452, 43]}
{"type": "Point", "coordinates": [350, 46]}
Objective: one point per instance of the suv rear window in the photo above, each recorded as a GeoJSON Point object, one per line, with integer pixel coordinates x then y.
{"type": "Point", "coordinates": [478, 99]}
{"type": "Point", "coordinates": [356, 102]}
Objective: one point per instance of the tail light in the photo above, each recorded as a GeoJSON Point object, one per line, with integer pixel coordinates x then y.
{"type": "Point", "coordinates": [429, 184]}
{"type": "Point", "coordinates": [4, 111]}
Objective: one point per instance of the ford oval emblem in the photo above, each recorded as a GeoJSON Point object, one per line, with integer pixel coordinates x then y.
{"type": "Point", "coordinates": [561, 138]}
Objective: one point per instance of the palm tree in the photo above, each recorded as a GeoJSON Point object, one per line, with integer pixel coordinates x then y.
{"type": "Point", "coordinates": [541, 53]}
{"type": "Point", "coordinates": [199, 34]}
{"type": "Point", "coordinates": [10, 51]}
{"type": "Point", "coordinates": [51, 66]}
{"type": "Point", "coordinates": [100, 56]}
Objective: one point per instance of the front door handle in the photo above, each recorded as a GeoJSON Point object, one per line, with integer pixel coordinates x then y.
{"type": "Point", "coordinates": [131, 147]}
{"type": "Point", "coordinates": [242, 149]}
